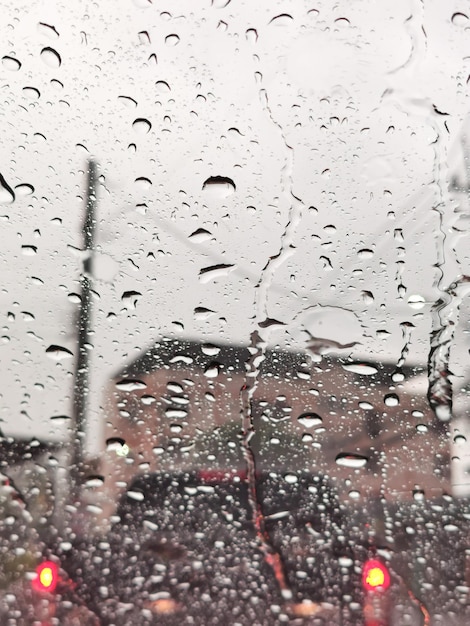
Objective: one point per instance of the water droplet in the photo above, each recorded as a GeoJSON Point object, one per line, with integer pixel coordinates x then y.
{"type": "Point", "coordinates": [51, 57]}
{"type": "Point", "coordinates": [391, 399]}
{"type": "Point", "coordinates": [398, 377]}
{"type": "Point", "coordinates": [365, 253]}
{"type": "Point", "coordinates": [31, 92]}
{"type": "Point", "coordinates": [460, 439]}
{"type": "Point", "coordinates": [11, 64]}
{"type": "Point", "coordinates": [284, 19]}
{"type": "Point", "coordinates": [24, 189]}
{"type": "Point", "coordinates": [136, 495]}
{"type": "Point", "coordinates": [144, 184]}
{"type": "Point", "coordinates": [354, 495]}
{"type": "Point", "coordinates": [141, 126]}
{"type": "Point", "coordinates": [172, 40]}
{"type": "Point", "coordinates": [219, 187]}
{"type": "Point", "coordinates": [251, 35]}
{"type": "Point", "coordinates": [422, 428]}
{"type": "Point", "coordinates": [367, 406]}
{"type": "Point", "coordinates": [220, 4]}
{"type": "Point", "coordinates": [418, 495]}
{"type": "Point", "coordinates": [176, 414]}
{"type": "Point", "coordinates": [291, 479]}
{"type": "Point", "coordinates": [200, 235]}
{"type": "Point", "coordinates": [460, 19]}
{"type": "Point", "coordinates": [367, 297]}
{"type": "Point", "coordinates": [309, 420]}
{"type": "Point", "coordinates": [148, 400]}
{"type": "Point", "coordinates": [29, 250]}
{"type": "Point", "coordinates": [201, 313]}
{"type": "Point", "coordinates": [417, 414]}
{"type": "Point", "coordinates": [212, 370]}
{"type": "Point", "coordinates": [130, 384]}
{"type": "Point", "coordinates": [60, 419]}
{"type": "Point", "coordinates": [364, 369]}
{"type": "Point", "coordinates": [127, 101]}
{"type": "Point", "coordinates": [58, 353]}
{"type": "Point", "coordinates": [94, 481]}
{"type": "Point", "coordinates": [354, 461]}
{"type": "Point", "coordinates": [416, 301]}
{"type": "Point", "coordinates": [7, 195]}
{"type": "Point", "coordinates": [47, 30]}
{"type": "Point", "coordinates": [206, 274]}
{"type": "Point", "coordinates": [162, 87]}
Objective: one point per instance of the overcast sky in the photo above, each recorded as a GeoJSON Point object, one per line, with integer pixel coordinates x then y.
{"type": "Point", "coordinates": [340, 125]}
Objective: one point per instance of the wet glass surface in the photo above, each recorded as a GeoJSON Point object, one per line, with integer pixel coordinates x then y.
{"type": "Point", "coordinates": [234, 313]}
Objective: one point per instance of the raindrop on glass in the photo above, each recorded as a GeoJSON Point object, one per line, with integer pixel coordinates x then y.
{"type": "Point", "coordinates": [11, 64]}
{"type": "Point", "coordinates": [51, 57]}
{"type": "Point", "coordinates": [58, 353]}
{"type": "Point", "coordinates": [219, 187]}
{"type": "Point", "coordinates": [141, 126]}
{"type": "Point", "coordinates": [172, 40]}
{"type": "Point", "coordinates": [353, 461]}
{"type": "Point", "coordinates": [391, 399]}
{"type": "Point", "coordinates": [7, 195]}
{"type": "Point", "coordinates": [309, 420]}
{"type": "Point", "coordinates": [24, 189]}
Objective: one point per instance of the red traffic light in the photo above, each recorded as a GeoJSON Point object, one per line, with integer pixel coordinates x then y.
{"type": "Point", "coordinates": [375, 576]}
{"type": "Point", "coordinates": [47, 577]}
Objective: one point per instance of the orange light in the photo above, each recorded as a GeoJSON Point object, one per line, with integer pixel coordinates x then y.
{"type": "Point", "coordinates": [375, 576]}
{"type": "Point", "coordinates": [47, 577]}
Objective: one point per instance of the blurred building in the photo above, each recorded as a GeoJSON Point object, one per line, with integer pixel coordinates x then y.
{"type": "Point", "coordinates": [368, 426]}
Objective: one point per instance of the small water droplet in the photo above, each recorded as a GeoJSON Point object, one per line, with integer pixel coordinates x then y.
{"type": "Point", "coordinates": [200, 235]}
{"type": "Point", "coordinates": [367, 297]}
{"type": "Point", "coordinates": [143, 183]}
{"type": "Point", "coordinates": [367, 406]}
{"type": "Point", "coordinates": [460, 439]}
{"type": "Point", "coordinates": [219, 187]}
{"type": "Point", "coordinates": [141, 126]}
{"type": "Point", "coordinates": [365, 253]}
{"type": "Point", "coordinates": [127, 101]}
{"type": "Point", "coordinates": [7, 195]}
{"type": "Point", "coordinates": [354, 495]}
{"type": "Point", "coordinates": [24, 189]}
{"type": "Point", "coordinates": [422, 428]}
{"type": "Point", "coordinates": [11, 64]}
{"type": "Point", "coordinates": [28, 250]}
{"type": "Point", "coordinates": [353, 461]}
{"type": "Point", "coordinates": [460, 19]}
{"type": "Point", "coordinates": [58, 353]}
{"type": "Point", "coordinates": [51, 57]}
{"type": "Point", "coordinates": [251, 35]}
{"type": "Point", "coordinates": [130, 384]}
{"type": "Point", "coordinates": [60, 419]}
{"type": "Point", "coordinates": [391, 399]}
{"type": "Point", "coordinates": [416, 301]}
{"type": "Point", "coordinates": [291, 479]}
{"type": "Point", "coordinates": [220, 4]}
{"type": "Point", "coordinates": [284, 19]}
{"type": "Point", "coordinates": [206, 274]}
{"type": "Point", "coordinates": [48, 30]}
{"type": "Point", "coordinates": [364, 369]}
{"type": "Point", "coordinates": [94, 481]}
{"type": "Point", "coordinates": [136, 495]}
{"type": "Point", "coordinates": [31, 92]}
{"type": "Point", "coordinates": [162, 87]}
{"type": "Point", "coordinates": [172, 40]}
{"type": "Point", "coordinates": [309, 420]}
{"type": "Point", "coordinates": [418, 495]}
{"type": "Point", "coordinates": [398, 377]}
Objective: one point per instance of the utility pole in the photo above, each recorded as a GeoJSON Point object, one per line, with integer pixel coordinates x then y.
{"type": "Point", "coordinates": [81, 378]}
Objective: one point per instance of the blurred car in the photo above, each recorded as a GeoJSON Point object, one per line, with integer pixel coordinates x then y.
{"type": "Point", "coordinates": [189, 548]}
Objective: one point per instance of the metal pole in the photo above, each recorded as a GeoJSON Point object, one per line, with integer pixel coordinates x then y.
{"type": "Point", "coordinates": [81, 379]}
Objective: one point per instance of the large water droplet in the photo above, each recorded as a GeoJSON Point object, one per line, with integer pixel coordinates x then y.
{"type": "Point", "coordinates": [309, 420]}
{"type": "Point", "coordinates": [24, 189]}
{"type": "Point", "coordinates": [282, 20]}
{"type": "Point", "coordinates": [354, 461]}
{"type": "Point", "coordinates": [172, 40]}
{"type": "Point", "coordinates": [219, 187]}
{"type": "Point", "coordinates": [391, 399]}
{"type": "Point", "coordinates": [251, 35]}
{"type": "Point", "coordinates": [213, 272]}
{"type": "Point", "coordinates": [162, 87]}
{"type": "Point", "coordinates": [11, 64]}
{"type": "Point", "coordinates": [130, 384]}
{"type": "Point", "coordinates": [48, 30]}
{"type": "Point", "coordinates": [460, 19]}
{"type": "Point", "coordinates": [360, 368]}
{"type": "Point", "coordinates": [200, 235]}
{"type": "Point", "coordinates": [58, 353]}
{"type": "Point", "coordinates": [51, 57]}
{"type": "Point", "coordinates": [141, 126]}
{"type": "Point", "coordinates": [127, 101]}
{"type": "Point", "coordinates": [416, 301]}
{"type": "Point", "coordinates": [7, 195]}
{"type": "Point", "coordinates": [32, 93]}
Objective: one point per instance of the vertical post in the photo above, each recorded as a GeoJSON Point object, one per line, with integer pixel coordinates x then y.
{"type": "Point", "coordinates": [81, 379]}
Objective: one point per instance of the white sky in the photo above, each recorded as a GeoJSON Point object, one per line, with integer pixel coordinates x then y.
{"type": "Point", "coordinates": [339, 113]}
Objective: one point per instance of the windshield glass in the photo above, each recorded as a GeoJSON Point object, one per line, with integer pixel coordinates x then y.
{"type": "Point", "coordinates": [235, 314]}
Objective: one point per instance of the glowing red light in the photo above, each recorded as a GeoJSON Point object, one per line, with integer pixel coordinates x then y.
{"type": "Point", "coordinates": [47, 577]}
{"type": "Point", "coordinates": [375, 576]}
